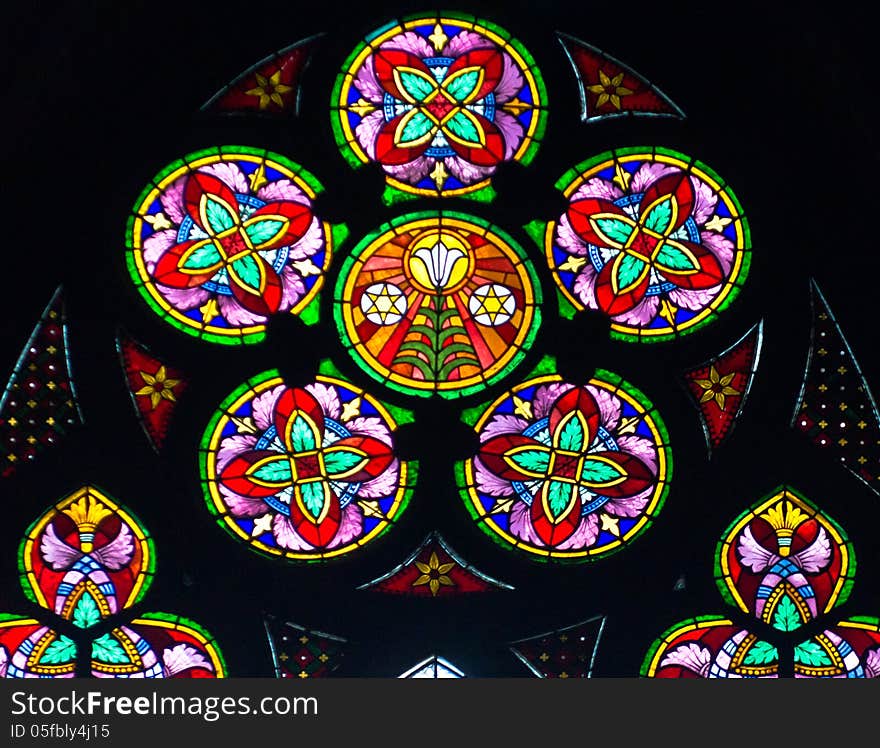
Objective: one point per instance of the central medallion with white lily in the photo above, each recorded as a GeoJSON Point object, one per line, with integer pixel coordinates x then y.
{"type": "Point", "coordinates": [437, 303]}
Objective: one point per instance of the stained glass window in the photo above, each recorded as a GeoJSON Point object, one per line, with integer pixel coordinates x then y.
{"type": "Point", "coordinates": [347, 335]}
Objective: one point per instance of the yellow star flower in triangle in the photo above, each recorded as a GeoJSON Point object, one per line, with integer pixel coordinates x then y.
{"type": "Point", "coordinates": [270, 90]}
{"type": "Point", "coordinates": [609, 90]}
{"type": "Point", "coordinates": [158, 387]}
{"type": "Point", "coordinates": [434, 574]}
{"type": "Point", "coordinates": [717, 387]}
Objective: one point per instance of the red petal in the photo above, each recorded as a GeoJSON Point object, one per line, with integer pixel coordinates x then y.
{"type": "Point", "coordinates": [613, 304]}
{"type": "Point", "coordinates": [493, 67]}
{"type": "Point", "coordinates": [167, 272]}
{"type": "Point", "coordinates": [389, 153]}
{"type": "Point", "coordinates": [291, 402]}
{"type": "Point", "coordinates": [379, 456]}
{"type": "Point", "coordinates": [554, 533]}
{"type": "Point", "coordinates": [490, 154]}
{"type": "Point", "coordinates": [234, 475]}
{"type": "Point", "coordinates": [299, 217]}
{"type": "Point", "coordinates": [385, 61]}
{"type": "Point", "coordinates": [578, 399]}
{"type": "Point", "coordinates": [319, 534]}
{"type": "Point", "coordinates": [580, 211]}
{"type": "Point", "coordinates": [199, 184]}
{"type": "Point", "coordinates": [682, 192]}
{"type": "Point", "coordinates": [710, 273]}
{"type": "Point", "coordinates": [492, 454]}
{"type": "Point", "coordinates": [265, 303]}
{"type": "Point", "coordinates": [638, 476]}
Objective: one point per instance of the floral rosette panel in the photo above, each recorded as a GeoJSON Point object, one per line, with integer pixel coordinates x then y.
{"type": "Point", "coordinates": [227, 237]}
{"type": "Point", "coordinates": [439, 103]}
{"type": "Point", "coordinates": [28, 649]}
{"type": "Point", "coordinates": [651, 238]}
{"type": "Point", "coordinates": [851, 649]}
{"type": "Point", "coordinates": [157, 645]}
{"type": "Point", "coordinates": [86, 559]}
{"type": "Point", "coordinates": [304, 473]}
{"type": "Point", "coordinates": [711, 647]}
{"type": "Point", "coordinates": [565, 471]}
{"type": "Point", "coordinates": [785, 562]}
{"type": "Point", "coordinates": [437, 303]}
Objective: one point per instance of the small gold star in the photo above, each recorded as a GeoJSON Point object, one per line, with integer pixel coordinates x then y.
{"type": "Point", "coordinates": [609, 89]}
{"type": "Point", "coordinates": [862, 460]}
{"type": "Point", "coordinates": [842, 370]}
{"type": "Point", "coordinates": [13, 421]}
{"type": "Point", "coordinates": [303, 674]}
{"type": "Point", "coordinates": [158, 387]}
{"type": "Point", "coordinates": [822, 352]}
{"type": "Point", "coordinates": [842, 442]}
{"type": "Point", "coordinates": [823, 388]}
{"type": "Point", "coordinates": [31, 403]}
{"type": "Point", "coordinates": [823, 423]}
{"type": "Point", "coordinates": [434, 574]}
{"type": "Point", "coordinates": [50, 421]}
{"type": "Point", "coordinates": [304, 639]}
{"type": "Point", "coordinates": [51, 386]}
{"type": "Point", "coordinates": [283, 657]}
{"type": "Point", "coordinates": [861, 424]}
{"type": "Point", "coordinates": [51, 350]}
{"type": "Point", "coordinates": [32, 439]}
{"type": "Point", "coordinates": [270, 90]}
{"type": "Point", "coordinates": [323, 657]}
{"type": "Point", "coordinates": [544, 657]}
{"type": "Point", "coordinates": [842, 407]}
{"type": "Point", "coordinates": [717, 387]}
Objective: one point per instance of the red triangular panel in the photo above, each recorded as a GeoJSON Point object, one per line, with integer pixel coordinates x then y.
{"type": "Point", "coordinates": [608, 88]}
{"type": "Point", "coordinates": [39, 404]}
{"type": "Point", "coordinates": [272, 86]}
{"type": "Point", "coordinates": [154, 386]}
{"type": "Point", "coordinates": [566, 653]}
{"type": "Point", "coordinates": [434, 570]}
{"type": "Point", "coordinates": [720, 386]}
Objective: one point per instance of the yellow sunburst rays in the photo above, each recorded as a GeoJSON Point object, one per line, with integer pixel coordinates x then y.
{"type": "Point", "coordinates": [434, 574]}
{"type": "Point", "coordinates": [717, 387]}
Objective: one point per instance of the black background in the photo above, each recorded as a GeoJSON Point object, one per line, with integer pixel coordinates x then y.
{"type": "Point", "coordinates": [99, 97]}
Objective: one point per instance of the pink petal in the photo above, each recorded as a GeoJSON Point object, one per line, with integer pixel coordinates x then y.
{"type": "Point", "coordinates": [642, 314]}
{"type": "Point", "coordinates": [464, 171]}
{"type": "Point", "coordinates": [503, 425]}
{"type": "Point", "coordinates": [311, 242]}
{"type": "Point", "coordinates": [521, 524]}
{"type": "Point", "coordinates": [367, 84]}
{"type": "Point", "coordinates": [263, 407]}
{"type": "Point", "coordinates": [511, 82]}
{"type": "Point", "coordinates": [720, 246]}
{"type": "Point", "coordinates": [235, 314]}
{"type": "Point", "coordinates": [172, 200]}
{"type": "Point", "coordinates": [156, 245]}
{"type": "Point", "coordinates": [704, 202]}
{"type": "Point", "coordinates": [648, 173]}
{"type": "Point", "coordinates": [410, 41]}
{"type": "Point", "coordinates": [694, 300]}
{"type": "Point", "coordinates": [184, 298]}
{"type": "Point", "coordinates": [369, 426]}
{"type": "Point", "coordinates": [283, 189]}
{"type": "Point", "coordinates": [630, 507]}
{"type": "Point", "coordinates": [642, 448]}
{"type": "Point", "coordinates": [463, 42]}
{"type": "Point", "coordinates": [350, 526]}
{"type": "Point", "coordinates": [609, 406]}
{"type": "Point", "coordinates": [286, 536]}
{"type": "Point", "coordinates": [546, 395]}
{"type": "Point", "coordinates": [367, 130]}
{"type": "Point", "coordinates": [242, 506]}
{"type": "Point", "coordinates": [327, 399]}
{"type": "Point", "coordinates": [597, 187]}
{"type": "Point", "coordinates": [230, 175]}
{"type": "Point", "coordinates": [584, 286]}
{"type": "Point", "coordinates": [512, 131]}
{"type": "Point", "coordinates": [292, 288]}
{"type": "Point", "coordinates": [584, 536]}
{"type": "Point", "coordinates": [384, 485]}
{"type": "Point", "coordinates": [232, 446]}
{"type": "Point", "coordinates": [567, 238]}
{"type": "Point", "coordinates": [488, 482]}
{"type": "Point", "coordinates": [413, 172]}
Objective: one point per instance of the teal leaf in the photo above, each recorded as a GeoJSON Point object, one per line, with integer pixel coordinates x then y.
{"type": "Point", "coordinates": [248, 270]}
{"type": "Point", "coordinates": [532, 460]}
{"type": "Point", "coordinates": [86, 613]}
{"type": "Point", "coordinates": [416, 128]}
{"type": "Point", "coordinates": [202, 257]}
{"type": "Point", "coordinates": [277, 471]}
{"type": "Point", "coordinates": [571, 435]}
{"type": "Point", "coordinates": [60, 651]}
{"type": "Point", "coordinates": [262, 230]}
{"type": "Point", "coordinates": [219, 217]}
{"type": "Point", "coordinates": [462, 127]}
{"type": "Point", "coordinates": [462, 85]}
{"type": "Point", "coordinates": [659, 217]}
{"type": "Point", "coordinates": [599, 471]}
{"type": "Point", "coordinates": [786, 617]}
{"type": "Point", "coordinates": [313, 497]}
{"type": "Point", "coordinates": [811, 653]}
{"type": "Point", "coordinates": [761, 653]}
{"type": "Point", "coordinates": [672, 257]}
{"type": "Point", "coordinates": [558, 497]}
{"type": "Point", "coordinates": [615, 229]}
{"type": "Point", "coordinates": [107, 650]}
{"type": "Point", "coordinates": [416, 86]}
{"type": "Point", "coordinates": [302, 438]}
{"type": "Point", "coordinates": [341, 461]}
{"type": "Point", "coordinates": [628, 270]}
